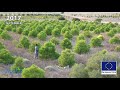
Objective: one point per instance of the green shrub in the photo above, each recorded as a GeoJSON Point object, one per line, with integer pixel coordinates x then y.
{"type": "Point", "coordinates": [118, 30]}
{"type": "Point", "coordinates": [1, 31]}
{"type": "Point", "coordinates": [81, 47]}
{"type": "Point", "coordinates": [24, 42]}
{"type": "Point", "coordinates": [64, 29]}
{"type": "Point", "coordinates": [95, 74]}
{"type": "Point", "coordinates": [6, 57]}
{"type": "Point", "coordinates": [18, 65]}
{"type": "Point", "coordinates": [19, 30]}
{"type": "Point", "coordinates": [2, 46]}
{"type": "Point", "coordinates": [33, 33]}
{"type": "Point", "coordinates": [111, 33]}
{"type": "Point", "coordinates": [32, 46]}
{"type": "Point", "coordinates": [48, 30]}
{"type": "Point", "coordinates": [66, 44]}
{"type": "Point", "coordinates": [66, 58]}
{"type": "Point", "coordinates": [81, 37]}
{"type": "Point", "coordinates": [48, 51]}
{"type": "Point", "coordinates": [8, 28]}
{"type": "Point", "coordinates": [56, 32]}
{"type": "Point", "coordinates": [114, 40]}
{"type": "Point", "coordinates": [33, 72]}
{"type": "Point", "coordinates": [25, 32]}
{"type": "Point", "coordinates": [39, 28]}
{"type": "Point", "coordinates": [42, 35]}
{"type": "Point", "coordinates": [54, 40]}
{"type": "Point", "coordinates": [117, 48]}
{"type": "Point", "coordinates": [5, 35]}
{"type": "Point", "coordinates": [74, 31]}
{"type": "Point", "coordinates": [14, 29]}
{"type": "Point", "coordinates": [94, 62]}
{"type": "Point", "coordinates": [78, 71]}
{"type": "Point", "coordinates": [96, 42]}
{"type": "Point", "coordinates": [68, 35]}
{"type": "Point", "coordinates": [87, 34]}
{"type": "Point", "coordinates": [3, 26]}
{"type": "Point", "coordinates": [97, 31]}
{"type": "Point", "coordinates": [100, 37]}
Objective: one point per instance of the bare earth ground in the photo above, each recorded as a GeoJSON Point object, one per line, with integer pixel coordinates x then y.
{"type": "Point", "coordinates": [51, 72]}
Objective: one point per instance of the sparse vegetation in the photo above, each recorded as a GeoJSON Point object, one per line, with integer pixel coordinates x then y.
{"type": "Point", "coordinates": [4, 35]}
{"type": "Point", "coordinates": [82, 45]}
{"type": "Point", "coordinates": [78, 71]}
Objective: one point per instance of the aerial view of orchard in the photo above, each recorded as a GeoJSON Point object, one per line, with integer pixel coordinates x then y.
{"type": "Point", "coordinates": [66, 48]}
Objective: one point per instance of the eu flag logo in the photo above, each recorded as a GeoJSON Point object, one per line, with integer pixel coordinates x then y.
{"type": "Point", "coordinates": [108, 67]}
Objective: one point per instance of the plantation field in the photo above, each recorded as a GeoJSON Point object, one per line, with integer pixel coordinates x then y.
{"type": "Point", "coordinates": [67, 49]}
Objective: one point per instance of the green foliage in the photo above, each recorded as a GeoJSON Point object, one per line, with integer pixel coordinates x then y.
{"type": "Point", "coordinates": [68, 35]}
{"type": "Point", "coordinates": [48, 29]}
{"type": "Point", "coordinates": [6, 57]}
{"type": "Point", "coordinates": [19, 30]}
{"type": "Point", "coordinates": [64, 29]}
{"type": "Point", "coordinates": [114, 40]}
{"type": "Point", "coordinates": [42, 35]}
{"type": "Point", "coordinates": [32, 46]}
{"type": "Point", "coordinates": [4, 35]}
{"type": "Point", "coordinates": [56, 32]}
{"type": "Point", "coordinates": [74, 31]}
{"type": "Point", "coordinates": [2, 46]}
{"type": "Point", "coordinates": [24, 42]}
{"type": "Point", "coordinates": [33, 33]}
{"type": "Point", "coordinates": [54, 40]}
{"type": "Point", "coordinates": [39, 28]}
{"type": "Point", "coordinates": [48, 51]}
{"type": "Point", "coordinates": [96, 42]}
{"type": "Point", "coordinates": [97, 31]}
{"type": "Point", "coordinates": [1, 31]}
{"type": "Point", "coordinates": [66, 58]}
{"type": "Point", "coordinates": [33, 72]}
{"type": "Point", "coordinates": [18, 65]}
{"type": "Point", "coordinates": [81, 37]}
{"type": "Point", "coordinates": [87, 34]}
{"type": "Point", "coordinates": [78, 71]}
{"type": "Point", "coordinates": [14, 29]}
{"type": "Point", "coordinates": [94, 62]}
{"type": "Point", "coordinates": [25, 32]}
{"type": "Point", "coordinates": [95, 74]}
{"type": "Point", "coordinates": [66, 44]}
{"type": "Point", "coordinates": [8, 28]}
{"type": "Point", "coordinates": [117, 48]}
{"type": "Point", "coordinates": [118, 29]}
{"type": "Point", "coordinates": [100, 37]}
{"type": "Point", "coordinates": [81, 47]}
{"type": "Point", "coordinates": [112, 32]}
